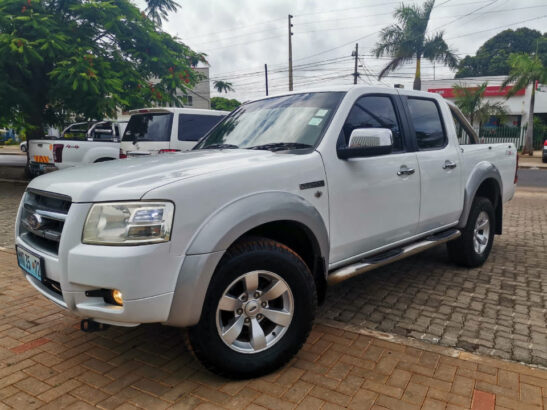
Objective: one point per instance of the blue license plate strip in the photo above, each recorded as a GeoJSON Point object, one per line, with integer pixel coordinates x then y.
{"type": "Point", "coordinates": [30, 263]}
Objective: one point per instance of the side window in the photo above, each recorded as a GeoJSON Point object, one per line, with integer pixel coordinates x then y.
{"type": "Point", "coordinates": [426, 118]}
{"type": "Point", "coordinates": [192, 127]}
{"type": "Point", "coordinates": [374, 112]}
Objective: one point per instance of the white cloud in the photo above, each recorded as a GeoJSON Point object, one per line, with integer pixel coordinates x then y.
{"type": "Point", "coordinates": [239, 36]}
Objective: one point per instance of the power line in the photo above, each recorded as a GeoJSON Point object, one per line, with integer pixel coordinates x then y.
{"type": "Point", "coordinates": [495, 28]}
{"type": "Point", "coordinates": [465, 15]}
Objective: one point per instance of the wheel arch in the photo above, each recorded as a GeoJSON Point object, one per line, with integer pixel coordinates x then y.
{"type": "Point", "coordinates": [280, 216]}
{"type": "Point", "coordinates": [103, 159]}
{"type": "Point", "coordinates": [484, 180]}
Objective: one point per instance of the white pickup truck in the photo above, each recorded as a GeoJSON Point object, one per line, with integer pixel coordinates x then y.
{"type": "Point", "coordinates": [80, 144]}
{"type": "Point", "coordinates": [238, 238]}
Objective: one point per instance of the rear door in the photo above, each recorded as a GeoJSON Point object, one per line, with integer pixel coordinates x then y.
{"type": "Point", "coordinates": [439, 162]}
{"type": "Point", "coordinates": [191, 127]}
{"type": "Point", "coordinates": [147, 133]}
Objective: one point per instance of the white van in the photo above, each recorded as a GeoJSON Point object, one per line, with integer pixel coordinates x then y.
{"type": "Point", "coordinates": [159, 130]}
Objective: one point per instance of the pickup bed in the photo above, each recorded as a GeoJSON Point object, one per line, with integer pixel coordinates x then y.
{"type": "Point", "coordinates": [239, 238]}
{"type": "Point", "coordinates": [79, 144]}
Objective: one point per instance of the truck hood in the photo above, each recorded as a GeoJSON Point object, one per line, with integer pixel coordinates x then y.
{"type": "Point", "coordinates": [132, 178]}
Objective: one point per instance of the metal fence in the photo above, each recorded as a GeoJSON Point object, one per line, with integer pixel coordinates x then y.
{"type": "Point", "coordinates": [515, 135]}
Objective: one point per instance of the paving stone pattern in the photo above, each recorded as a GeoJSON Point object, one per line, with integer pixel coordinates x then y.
{"type": "Point", "coordinates": [10, 196]}
{"type": "Point", "coordinates": [47, 362]}
{"type": "Point", "coordinates": [499, 309]}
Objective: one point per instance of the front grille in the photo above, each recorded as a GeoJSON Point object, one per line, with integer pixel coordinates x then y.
{"type": "Point", "coordinates": [42, 219]}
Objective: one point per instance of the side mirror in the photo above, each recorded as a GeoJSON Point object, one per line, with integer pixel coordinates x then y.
{"type": "Point", "coordinates": [367, 142]}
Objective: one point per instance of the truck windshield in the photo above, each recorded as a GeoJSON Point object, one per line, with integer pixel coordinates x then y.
{"type": "Point", "coordinates": [290, 122]}
{"type": "Point", "coordinates": [149, 127]}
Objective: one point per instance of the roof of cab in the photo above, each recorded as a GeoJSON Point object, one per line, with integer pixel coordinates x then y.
{"type": "Point", "coordinates": [350, 87]}
{"type": "Point", "coordinates": [177, 110]}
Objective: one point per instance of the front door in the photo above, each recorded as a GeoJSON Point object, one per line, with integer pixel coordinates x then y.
{"type": "Point", "coordinates": [372, 203]}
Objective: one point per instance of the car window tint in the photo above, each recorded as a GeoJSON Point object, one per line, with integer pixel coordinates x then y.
{"type": "Point", "coordinates": [192, 127]}
{"type": "Point", "coordinates": [149, 127]}
{"type": "Point", "coordinates": [426, 118]}
{"type": "Point", "coordinates": [374, 112]}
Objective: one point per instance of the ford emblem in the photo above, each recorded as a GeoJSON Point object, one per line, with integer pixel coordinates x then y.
{"type": "Point", "coordinates": [34, 221]}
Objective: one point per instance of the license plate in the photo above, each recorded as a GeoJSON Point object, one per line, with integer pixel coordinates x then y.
{"type": "Point", "coordinates": [30, 263]}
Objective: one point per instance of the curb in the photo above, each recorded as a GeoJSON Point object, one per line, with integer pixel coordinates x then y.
{"type": "Point", "coordinates": [442, 350]}
{"type": "Point", "coordinates": [532, 167]}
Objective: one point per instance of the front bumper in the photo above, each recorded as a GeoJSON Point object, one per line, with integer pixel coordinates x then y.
{"type": "Point", "coordinates": [146, 275]}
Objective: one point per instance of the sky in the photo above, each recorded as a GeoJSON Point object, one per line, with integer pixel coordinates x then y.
{"type": "Point", "coordinates": [240, 36]}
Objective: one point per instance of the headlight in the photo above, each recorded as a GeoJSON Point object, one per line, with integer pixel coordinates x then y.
{"type": "Point", "coordinates": [128, 223]}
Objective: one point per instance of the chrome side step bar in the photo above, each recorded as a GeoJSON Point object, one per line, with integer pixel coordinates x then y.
{"type": "Point", "coordinates": [390, 256]}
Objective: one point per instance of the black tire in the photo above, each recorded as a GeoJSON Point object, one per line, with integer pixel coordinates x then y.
{"type": "Point", "coordinates": [243, 257]}
{"type": "Point", "coordinates": [462, 250]}
{"type": "Point", "coordinates": [104, 160]}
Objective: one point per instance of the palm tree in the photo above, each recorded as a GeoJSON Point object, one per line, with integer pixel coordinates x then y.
{"type": "Point", "coordinates": [526, 70]}
{"type": "Point", "coordinates": [470, 101]}
{"type": "Point", "coordinates": [157, 10]}
{"type": "Point", "coordinates": [223, 86]}
{"type": "Point", "coordinates": [407, 40]}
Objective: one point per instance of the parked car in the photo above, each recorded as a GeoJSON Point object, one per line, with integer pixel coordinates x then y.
{"type": "Point", "coordinates": [544, 158]}
{"type": "Point", "coordinates": [239, 238]}
{"type": "Point", "coordinates": [80, 144]}
{"type": "Point", "coordinates": [23, 146]}
{"type": "Point", "coordinates": [162, 130]}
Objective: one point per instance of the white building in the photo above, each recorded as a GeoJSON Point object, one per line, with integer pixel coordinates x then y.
{"type": "Point", "coordinates": [200, 95]}
{"type": "Point", "coordinates": [516, 106]}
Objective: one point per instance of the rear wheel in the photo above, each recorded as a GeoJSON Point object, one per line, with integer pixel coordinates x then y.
{"type": "Point", "coordinates": [258, 311]}
{"type": "Point", "coordinates": [473, 247]}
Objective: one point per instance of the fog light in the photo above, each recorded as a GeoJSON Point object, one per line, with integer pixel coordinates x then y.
{"type": "Point", "coordinates": [117, 297]}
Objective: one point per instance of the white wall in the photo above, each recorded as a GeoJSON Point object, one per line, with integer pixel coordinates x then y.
{"type": "Point", "coordinates": [517, 105]}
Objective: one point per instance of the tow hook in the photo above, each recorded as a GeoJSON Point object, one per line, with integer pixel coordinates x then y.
{"type": "Point", "coordinates": [89, 325]}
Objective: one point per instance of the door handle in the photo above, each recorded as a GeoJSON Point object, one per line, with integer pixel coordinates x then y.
{"type": "Point", "coordinates": [449, 164]}
{"type": "Point", "coordinates": [404, 171]}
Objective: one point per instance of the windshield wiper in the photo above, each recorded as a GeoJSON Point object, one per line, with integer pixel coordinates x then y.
{"type": "Point", "coordinates": [220, 146]}
{"type": "Point", "coordinates": [280, 146]}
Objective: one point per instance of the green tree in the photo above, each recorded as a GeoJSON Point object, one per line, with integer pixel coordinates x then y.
{"type": "Point", "coordinates": [224, 104]}
{"type": "Point", "coordinates": [158, 10]}
{"type": "Point", "coordinates": [223, 86]}
{"type": "Point", "coordinates": [472, 104]}
{"type": "Point", "coordinates": [79, 58]}
{"type": "Point", "coordinates": [526, 70]}
{"type": "Point", "coordinates": [492, 58]}
{"type": "Point", "coordinates": [408, 40]}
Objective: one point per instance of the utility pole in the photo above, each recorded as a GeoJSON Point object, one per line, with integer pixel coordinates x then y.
{"type": "Point", "coordinates": [356, 55]}
{"type": "Point", "coordinates": [433, 69]}
{"type": "Point", "coordinates": [290, 53]}
{"type": "Point", "coordinates": [266, 76]}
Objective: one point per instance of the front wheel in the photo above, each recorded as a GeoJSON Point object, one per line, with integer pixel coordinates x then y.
{"type": "Point", "coordinates": [258, 311]}
{"type": "Point", "coordinates": [473, 247]}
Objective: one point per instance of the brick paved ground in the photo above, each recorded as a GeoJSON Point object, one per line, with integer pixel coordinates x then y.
{"type": "Point", "coordinates": [45, 361]}
{"type": "Point", "coordinates": [10, 196]}
{"type": "Point", "coordinates": [499, 309]}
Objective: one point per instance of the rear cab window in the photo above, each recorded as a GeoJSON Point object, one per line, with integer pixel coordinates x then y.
{"type": "Point", "coordinates": [154, 127]}
{"type": "Point", "coordinates": [192, 127]}
{"type": "Point", "coordinates": [425, 116]}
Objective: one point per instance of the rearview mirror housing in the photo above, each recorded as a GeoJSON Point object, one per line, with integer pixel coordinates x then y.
{"type": "Point", "coordinates": [367, 142]}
